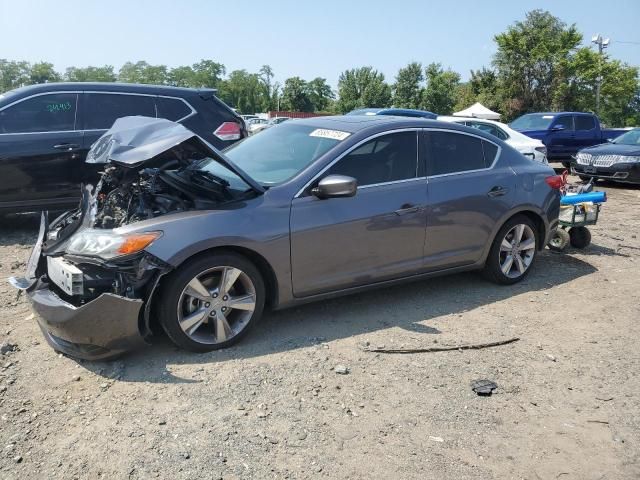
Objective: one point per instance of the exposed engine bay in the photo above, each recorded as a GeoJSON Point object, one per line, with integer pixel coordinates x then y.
{"type": "Point", "coordinates": [127, 195]}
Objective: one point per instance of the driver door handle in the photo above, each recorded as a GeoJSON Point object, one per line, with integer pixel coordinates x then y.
{"type": "Point", "coordinates": [497, 191]}
{"type": "Point", "coordinates": [69, 147]}
{"type": "Point", "coordinates": [407, 208]}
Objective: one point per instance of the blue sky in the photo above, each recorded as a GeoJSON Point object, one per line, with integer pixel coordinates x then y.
{"type": "Point", "coordinates": [301, 38]}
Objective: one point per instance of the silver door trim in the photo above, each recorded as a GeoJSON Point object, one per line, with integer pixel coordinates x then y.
{"type": "Point", "coordinates": [360, 143]}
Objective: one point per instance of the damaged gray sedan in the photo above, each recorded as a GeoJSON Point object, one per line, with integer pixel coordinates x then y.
{"type": "Point", "coordinates": [178, 235]}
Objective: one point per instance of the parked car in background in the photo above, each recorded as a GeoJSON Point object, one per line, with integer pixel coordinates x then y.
{"type": "Point", "coordinates": [529, 147]}
{"type": "Point", "coordinates": [310, 209]}
{"type": "Point", "coordinates": [564, 133]}
{"type": "Point", "coordinates": [46, 131]}
{"type": "Point", "coordinates": [260, 126]}
{"type": "Point", "coordinates": [401, 112]}
{"type": "Point", "coordinates": [618, 160]}
{"type": "Point", "coordinates": [255, 124]}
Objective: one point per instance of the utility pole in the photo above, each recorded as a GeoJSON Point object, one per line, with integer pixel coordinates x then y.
{"type": "Point", "coordinates": [602, 44]}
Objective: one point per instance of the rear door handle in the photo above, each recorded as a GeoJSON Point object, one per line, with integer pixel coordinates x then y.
{"type": "Point", "coordinates": [407, 208]}
{"type": "Point", "coordinates": [70, 147]}
{"type": "Point", "coordinates": [497, 191]}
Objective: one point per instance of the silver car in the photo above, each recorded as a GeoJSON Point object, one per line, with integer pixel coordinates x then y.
{"type": "Point", "coordinates": [200, 241]}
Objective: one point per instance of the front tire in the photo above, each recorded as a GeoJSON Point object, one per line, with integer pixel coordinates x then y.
{"type": "Point", "coordinates": [211, 302]}
{"type": "Point", "coordinates": [512, 252]}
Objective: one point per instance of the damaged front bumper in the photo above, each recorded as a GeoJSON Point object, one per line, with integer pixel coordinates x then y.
{"type": "Point", "coordinates": [103, 328]}
{"type": "Point", "coordinates": [99, 327]}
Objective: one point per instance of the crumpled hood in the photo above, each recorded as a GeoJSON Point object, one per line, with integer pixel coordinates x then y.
{"type": "Point", "coordinates": [132, 141]}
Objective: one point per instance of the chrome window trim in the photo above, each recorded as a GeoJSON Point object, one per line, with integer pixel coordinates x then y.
{"type": "Point", "coordinates": [75, 114]}
{"type": "Point", "coordinates": [360, 143]}
{"type": "Point", "coordinates": [393, 182]}
{"type": "Point", "coordinates": [78, 92]}
{"type": "Point", "coordinates": [495, 160]}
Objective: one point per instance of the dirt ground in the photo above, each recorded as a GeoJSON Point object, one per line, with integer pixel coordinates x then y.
{"type": "Point", "coordinates": [567, 406]}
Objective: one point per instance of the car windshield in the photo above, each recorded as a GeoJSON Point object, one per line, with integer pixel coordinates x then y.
{"type": "Point", "coordinates": [277, 154]}
{"type": "Point", "coordinates": [630, 138]}
{"type": "Point", "coordinates": [532, 121]}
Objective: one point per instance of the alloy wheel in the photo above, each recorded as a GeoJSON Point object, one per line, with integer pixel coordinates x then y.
{"type": "Point", "coordinates": [216, 305]}
{"type": "Point", "coordinates": [517, 250]}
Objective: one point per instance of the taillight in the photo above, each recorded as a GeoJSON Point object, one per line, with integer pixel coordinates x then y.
{"type": "Point", "coordinates": [228, 131]}
{"type": "Point", "coordinates": [557, 181]}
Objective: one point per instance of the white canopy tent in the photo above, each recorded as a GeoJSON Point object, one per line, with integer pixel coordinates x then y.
{"type": "Point", "coordinates": [477, 110]}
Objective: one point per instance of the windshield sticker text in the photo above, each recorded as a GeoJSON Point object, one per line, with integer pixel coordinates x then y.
{"type": "Point", "coordinates": [332, 134]}
{"type": "Point", "coordinates": [58, 107]}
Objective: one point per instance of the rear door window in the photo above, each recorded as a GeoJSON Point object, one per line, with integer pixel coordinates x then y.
{"type": "Point", "coordinates": [172, 109]}
{"type": "Point", "coordinates": [565, 120]}
{"type": "Point", "coordinates": [449, 152]}
{"type": "Point", "coordinates": [585, 122]}
{"type": "Point", "coordinates": [55, 112]}
{"type": "Point", "coordinates": [102, 109]}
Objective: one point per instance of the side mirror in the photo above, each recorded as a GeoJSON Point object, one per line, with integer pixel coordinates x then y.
{"type": "Point", "coordinates": [335, 186]}
{"type": "Point", "coordinates": [558, 128]}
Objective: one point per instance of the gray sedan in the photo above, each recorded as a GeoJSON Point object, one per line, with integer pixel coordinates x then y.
{"type": "Point", "coordinates": [201, 241]}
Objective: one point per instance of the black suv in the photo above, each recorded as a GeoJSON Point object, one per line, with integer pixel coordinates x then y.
{"type": "Point", "coordinates": [46, 131]}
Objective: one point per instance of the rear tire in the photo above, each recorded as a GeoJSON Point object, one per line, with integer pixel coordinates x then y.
{"type": "Point", "coordinates": [580, 237]}
{"type": "Point", "coordinates": [513, 251]}
{"type": "Point", "coordinates": [211, 302]}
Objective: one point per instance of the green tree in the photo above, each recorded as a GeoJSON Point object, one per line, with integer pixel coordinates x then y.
{"type": "Point", "coordinates": [142, 72]}
{"type": "Point", "coordinates": [43, 72]}
{"type": "Point", "coordinates": [243, 91]}
{"type": "Point", "coordinates": [439, 95]}
{"type": "Point", "coordinates": [619, 90]}
{"type": "Point", "coordinates": [295, 95]}
{"type": "Point", "coordinates": [90, 74]}
{"type": "Point", "coordinates": [362, 87]}
{"type": "Point", "coordinates": [208, 74]}
{"type": "Point", "coordinates": [531, 62]}
{"type": "Point", "coordinates": [407, 91]}
{"type": "Point", "coordinates": [182, 76]}
{"type": "Point", "coordinates": [13, 74]}
{"type": "Point", "coordinates": [320, 94]}
{"type": "Point", "coordinates": [266, 77]}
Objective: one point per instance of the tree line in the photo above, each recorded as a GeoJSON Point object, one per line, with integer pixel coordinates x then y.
{"type": "Point", "coordinates": [539, 65]}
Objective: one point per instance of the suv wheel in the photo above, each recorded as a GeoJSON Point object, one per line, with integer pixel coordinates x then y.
{"type": "Point", "coordinates": [211, 302]}
{"type": "Point", "coordinates": [512, 252]}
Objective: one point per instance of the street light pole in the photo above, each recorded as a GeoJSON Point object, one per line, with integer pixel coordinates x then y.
{"type": "Point", "coordinates": [602, 44]}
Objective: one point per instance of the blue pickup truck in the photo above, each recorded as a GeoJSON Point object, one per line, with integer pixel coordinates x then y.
{"type": "Point", "coordinates": [564, 133]}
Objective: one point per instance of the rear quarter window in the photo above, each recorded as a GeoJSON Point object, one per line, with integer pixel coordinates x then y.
{"type": "Point", "coordinates": [173, 109]}
{"type": "Point", "coordinates": [585, 122]}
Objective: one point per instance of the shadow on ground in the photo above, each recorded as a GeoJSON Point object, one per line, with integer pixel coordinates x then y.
{"type": "Point", "coordinates": [410, 307]}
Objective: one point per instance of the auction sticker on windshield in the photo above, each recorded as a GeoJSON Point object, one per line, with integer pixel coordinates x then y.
{"type": "Point", "coordinates": [326, 133]}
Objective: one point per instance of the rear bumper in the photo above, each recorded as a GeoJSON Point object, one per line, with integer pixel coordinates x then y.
{"type": "Point", "coordinates": [620, 172]}
{"type": "Point", "coordinates": [101, 329]}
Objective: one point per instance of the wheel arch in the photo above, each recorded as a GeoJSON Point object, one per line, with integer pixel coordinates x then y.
{"type": "Point", "coordinates": [531, 212]}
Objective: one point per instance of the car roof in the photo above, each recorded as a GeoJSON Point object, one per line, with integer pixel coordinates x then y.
{"type": "Point", "coordinates": [111, 87]}
{"type": "Point", "coordinates": [559, 113]}
{"type": "Point", "coordinates": [360, 123]}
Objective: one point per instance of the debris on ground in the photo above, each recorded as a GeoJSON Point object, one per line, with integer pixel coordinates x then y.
{"type": "Point", "coordinates": [483, 388]}
{"type": "Point", "coordinates": [476, 346]}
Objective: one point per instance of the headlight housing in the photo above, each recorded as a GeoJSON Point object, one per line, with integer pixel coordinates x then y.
{"type": "Point", "coordinates": [108, 244]}
{"type": "Point", "coordinates": [630, 159]}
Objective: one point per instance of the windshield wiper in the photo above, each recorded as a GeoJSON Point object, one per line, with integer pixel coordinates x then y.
{"type": "Point", "coordinates": [211, 177]}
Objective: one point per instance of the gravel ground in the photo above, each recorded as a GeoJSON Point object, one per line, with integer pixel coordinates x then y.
{"type": "Point", "coordinates": [275, 406]}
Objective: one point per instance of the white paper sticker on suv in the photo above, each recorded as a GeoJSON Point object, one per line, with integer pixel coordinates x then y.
{"type": "Point", "coordinates": [547, 116]}
{"type": "Point", "coordinates": [332, 134]}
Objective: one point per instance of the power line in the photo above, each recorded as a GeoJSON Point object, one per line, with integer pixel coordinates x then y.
{"type": "Point", "coordinates": [624, 41]}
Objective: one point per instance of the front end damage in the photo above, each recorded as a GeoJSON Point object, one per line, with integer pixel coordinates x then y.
{"type": "Point", "coordinates": [87, 307]}
{"type": "Point", "coordinates": [93, 284]}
